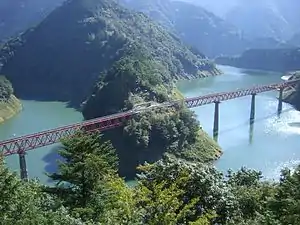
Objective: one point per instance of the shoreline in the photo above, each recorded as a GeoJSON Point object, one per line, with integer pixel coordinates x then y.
{"type": "Point", "coordinates": [218, 152]}
{"type": "Point", "coordinates": [10, 108]}
{"type": "Point", "coordinates": [201, 75]}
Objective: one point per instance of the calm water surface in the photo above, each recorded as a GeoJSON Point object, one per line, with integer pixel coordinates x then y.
{"type": "Point", "coordinates": [273, 143]}
{"type": "Point", "coordinates": [35, 117]}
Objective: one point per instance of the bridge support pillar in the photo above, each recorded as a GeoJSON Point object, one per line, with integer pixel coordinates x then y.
{"type": "Point", "coordinates": [279, 110]}
{"type": "Point", "coordinates": [252, 110]}
{"type": "Point", "coordinates": [216, 121]}
{"type": "Point", "coordinates": [23, 167]}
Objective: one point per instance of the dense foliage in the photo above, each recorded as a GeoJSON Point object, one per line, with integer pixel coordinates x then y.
{"type": "Point", "coordinates": [136, 79]}
{"type": "Point", "coordinates": [62, 58]}
{"type": "Point", "coordinates": [200, 28]}
{"type": "Point", "coordinates": [193, 24]}
{"type": "Point", "coordinates": [171, 191]}
{"type": "Point", "coordinates": [128, 59]}
{"type": "Point", "coordinates": [6, 89]}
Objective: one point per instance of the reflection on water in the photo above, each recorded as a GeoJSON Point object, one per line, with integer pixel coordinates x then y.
{"type": "Point", "coordinates": [251, 129]}
{"type": "Point", "coordinates": [259, 73]}
{"type": "Point", "coordinates": [294, 124]}
{"type": "Point", "coordinates": [268, 144]}
{"type": "Point", "coordinates": [35, 117]}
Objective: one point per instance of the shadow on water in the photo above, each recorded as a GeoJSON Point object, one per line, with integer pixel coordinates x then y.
{"type": "Point", "coordinates": [194, 85]}
{"type": "Point", "coordinates": [68, 104]}
{"type": "Point", "coordinates": [51, 160]}
{"type": "Point", "coordinates": [253, 72]}
{"type": "Point", "coordinates": [294, 124]}
{"type": "Point", "coordinates": [216, 136]}
{"type": "Point", "coordinates": [251, 125]}
{"type": "Point", "coordinates": [251, 129]}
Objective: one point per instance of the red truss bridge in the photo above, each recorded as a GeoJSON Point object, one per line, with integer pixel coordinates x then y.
{"type": "Point", "coordinates": [20, 145]}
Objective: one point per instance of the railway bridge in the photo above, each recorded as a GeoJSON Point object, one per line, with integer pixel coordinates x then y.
{"type": "Point", "coordinates": [20, 145]}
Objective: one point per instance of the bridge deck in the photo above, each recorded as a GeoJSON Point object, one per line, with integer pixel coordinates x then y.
{"type": "Point", "coordinates": [32, 141]}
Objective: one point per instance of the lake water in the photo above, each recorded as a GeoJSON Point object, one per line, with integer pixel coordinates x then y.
{"type": "Point", "coordinates": [37, 116]}
{"type": "Point", "coordinates": [272, 144]}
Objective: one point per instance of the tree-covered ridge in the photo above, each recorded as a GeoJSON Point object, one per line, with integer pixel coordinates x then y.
{"type": "Point", "coordinates": [6, 89]}
{"type": "Point", "coordinates": [128, 60]}
{"type": "Point", "coordinates": [64, 55]}
{"type": "Point", "coordinates": [194, 25]}
{"type": "Point", "coordinates": [282, 60]}
{"type": "Point", "coordinates": [9, 104]}
{"type": "Point", "coordinates": [133, 80]}
{"type": "Point", "coordinates": [88, 191]}
{"type": "Point", "coordinates": [200, 28]}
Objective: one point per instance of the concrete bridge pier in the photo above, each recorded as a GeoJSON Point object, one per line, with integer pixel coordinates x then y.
{"type": "Point", "coordinates": [251, 128]}
{"type": "Point", "coordinates": [279, 110]}
{"type": "Point", "coordinates": [23, 167]}
{"type": "Point", "coordinates": [252, 110]}
{"type": "Point", "coordinates": [216, 121]}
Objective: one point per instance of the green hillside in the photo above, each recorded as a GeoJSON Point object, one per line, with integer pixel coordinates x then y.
{"type": "Point", "coordinates": [111, 58]}
{"type": "Point", "coordinates": [63, 56]}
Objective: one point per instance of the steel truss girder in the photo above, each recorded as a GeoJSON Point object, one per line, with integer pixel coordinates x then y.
{"type": "Point", "coordinates": [218, 97]}
{"type": "Point", "coordinates": [41, 139]}
{"type": "Point", "coordinates": [44, 138]}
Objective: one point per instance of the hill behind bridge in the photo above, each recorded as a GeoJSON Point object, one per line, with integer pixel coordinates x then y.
{"type": "Point", "coordinates": [111, 58]}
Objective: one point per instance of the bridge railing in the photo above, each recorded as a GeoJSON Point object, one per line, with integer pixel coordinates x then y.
{"type": "Point", "coordinates": [43, 138]}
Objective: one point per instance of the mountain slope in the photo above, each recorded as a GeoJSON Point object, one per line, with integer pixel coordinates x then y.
{"type": "Point", "coordinates": [220, 8]}
{"type": "Point", "coordinates": [193, 24]}
{"type": "Point", "coordinates": [282, 60]}
{"type": "Point", "coordinates": [9, 104]}
{"type": "Point", "coordinates": [116, 60]}
{"type": "Point", "coordinates": [63, 56]}
{"type": "Point", "coordinates": [259, 19]}
{"type": "Point", "coordinates": [200, 28]}
{"type": "Point", "coordinates": [18, 15]}
{"type": "Point", "coordinates": [278, 19]}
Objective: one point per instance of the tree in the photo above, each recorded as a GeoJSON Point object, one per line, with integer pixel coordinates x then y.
{"type": "Point", "coordinates": [24, 203]}
{"type": "Point", "coordinates": [120, 204]}
{"type": "Point", "coordinates": [200, 188]}
{"type": "Point", "coordinates": [87, 161]}
{"type": "Point", "coordinates": [286, 204]}
{"type": "Point", "coordinates": [162, 202]}
{"type": "Point", "coordinates": [6, 89]}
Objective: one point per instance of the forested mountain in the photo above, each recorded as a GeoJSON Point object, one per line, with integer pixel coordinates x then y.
{"type": "Point", "coordinates": [6, 89]}
{"type": "Point", "coordinates": [169, 192]}
{"type": "Point", "coordinates": [278, 19]}
{"type": "Point", "coordinates": [17, 15]}
{"type": "Point", "coordinates": [220, 8]}
{"type": "Point", "coordinates": [260, 19]}
{"type": "Point", "coordinates": [81, 39]}
{"type": "Point", "coordinates": [201, 28]}
{"type": "Point", "coordinates": [114, 58]}
{"type": "Point", "coordinates": [282, 60]}
{"type": "Point", "coordinates": [194, 25]}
